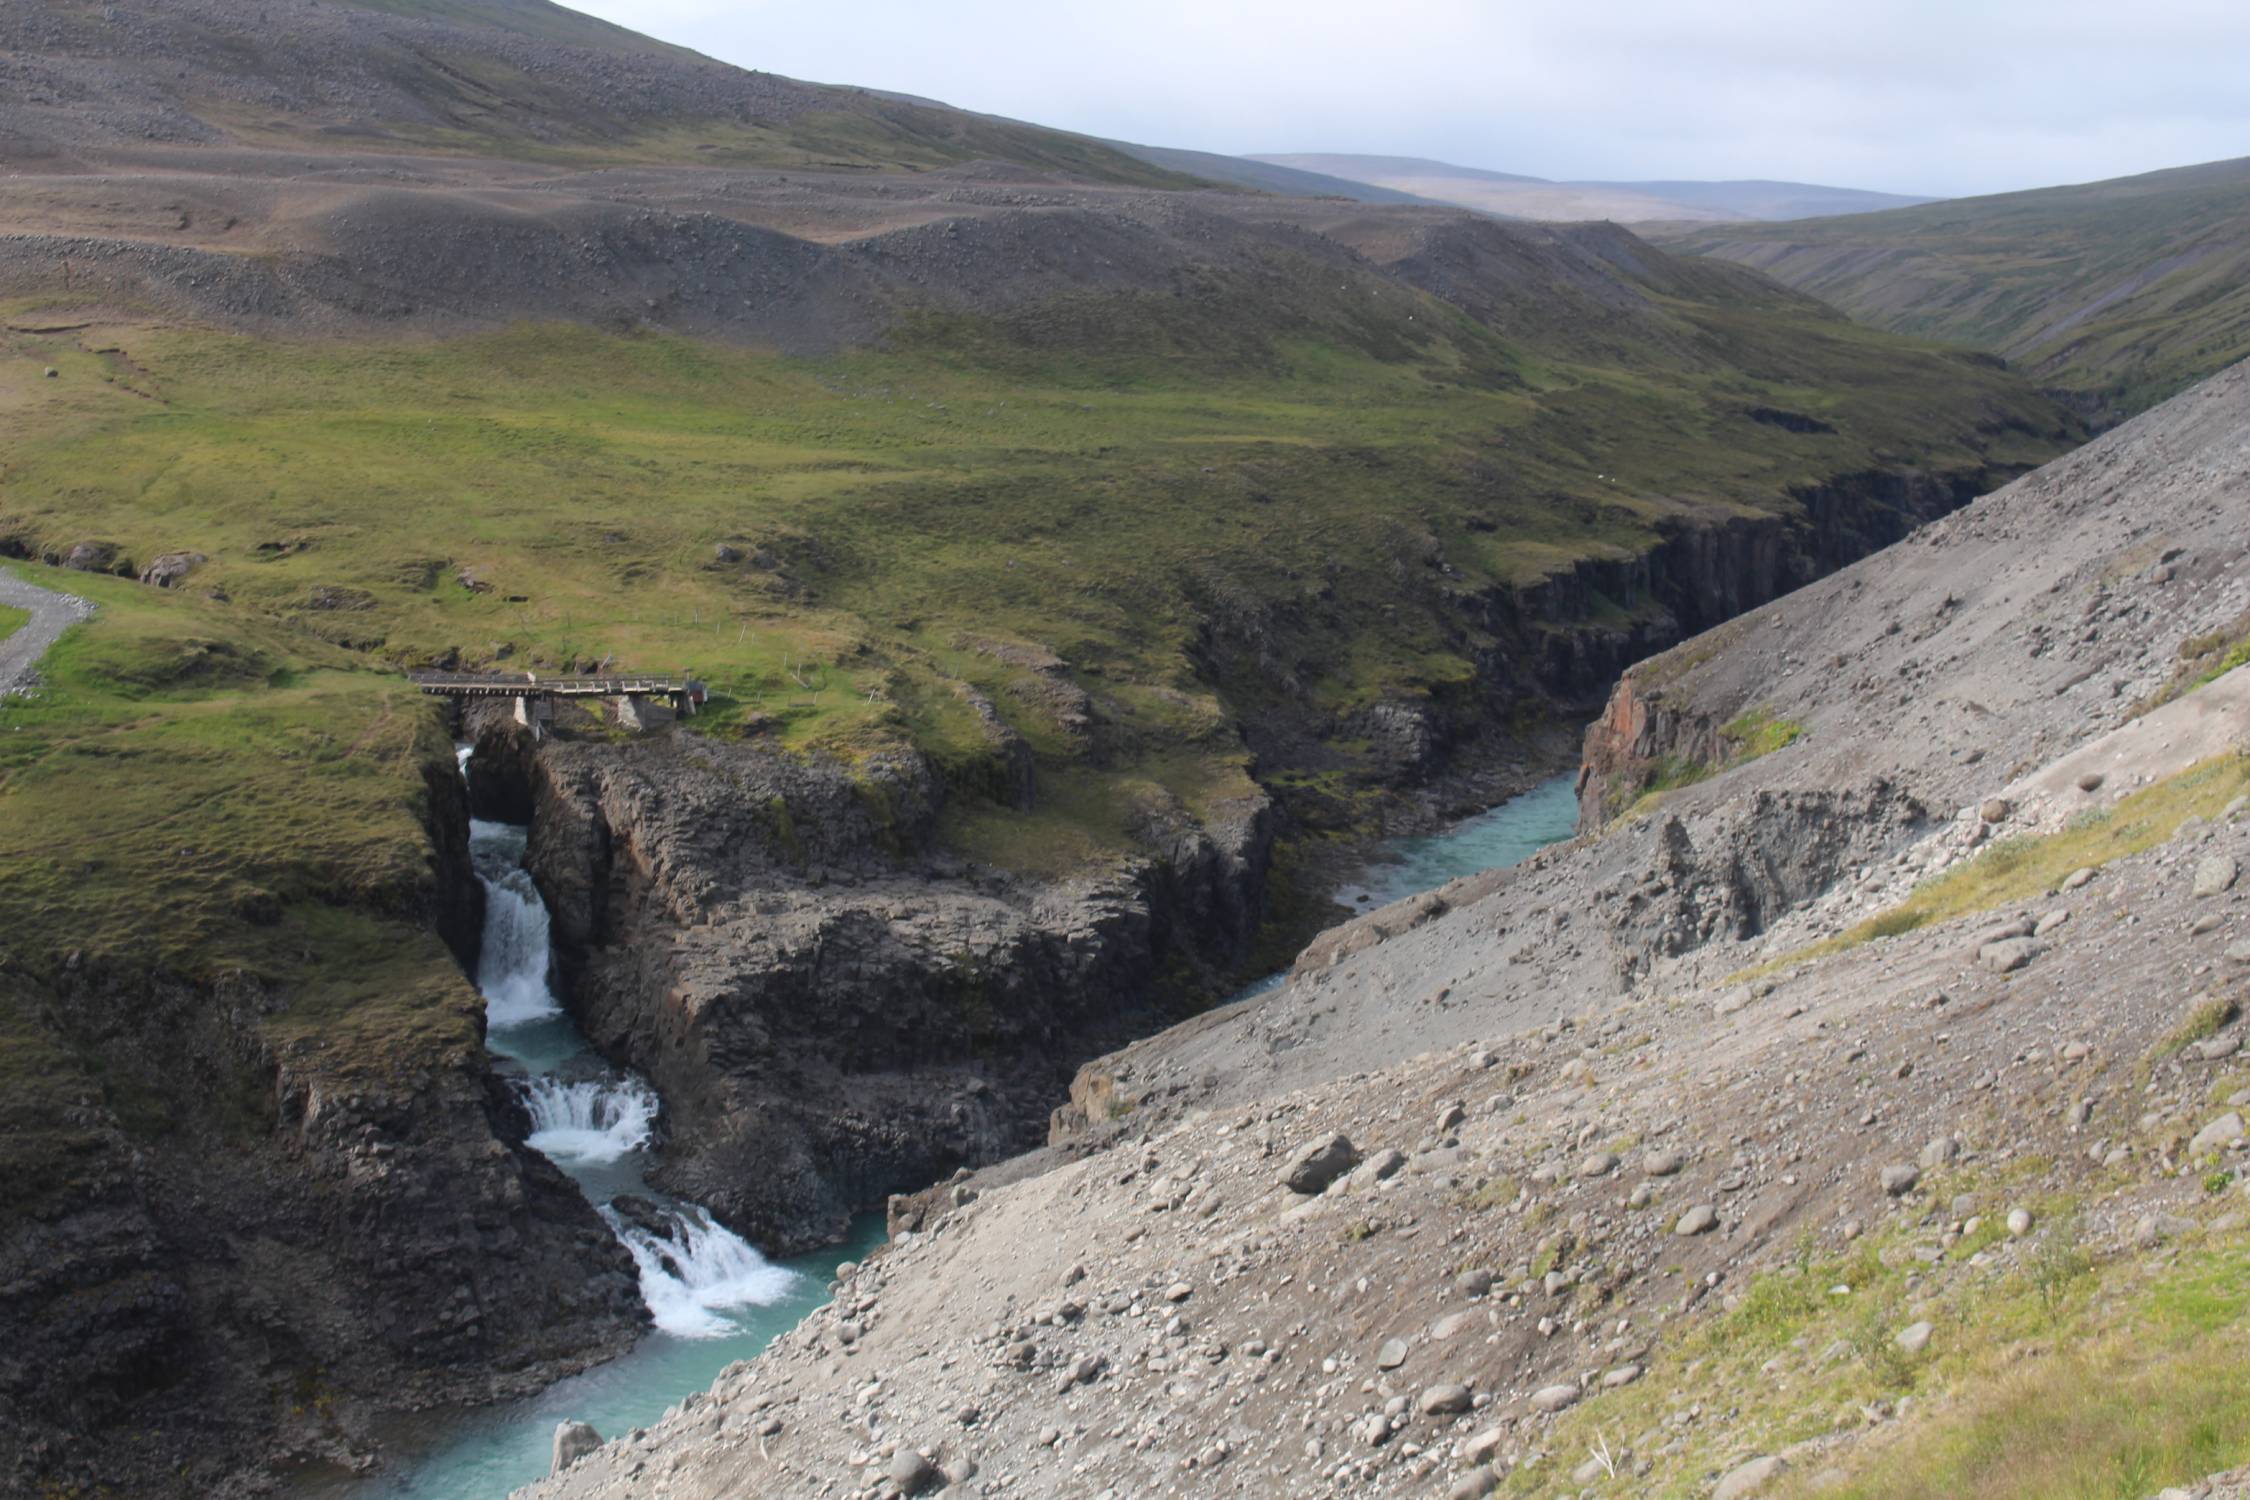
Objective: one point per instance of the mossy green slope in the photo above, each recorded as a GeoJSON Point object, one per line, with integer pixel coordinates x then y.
{"type": "Point", "coordinates": [1203, 519]}
{"type": "Point", "coordinates": [2119, 293]}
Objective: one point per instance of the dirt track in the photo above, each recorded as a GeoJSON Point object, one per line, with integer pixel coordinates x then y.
{"type": "Point", "coordinates": [51, 615]}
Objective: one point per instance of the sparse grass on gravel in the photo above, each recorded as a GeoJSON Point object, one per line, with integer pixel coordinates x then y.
{"type": "Point", "coordinates": [2022, 869]}
{"type": "Point", "coordinates": [2054, 1371]}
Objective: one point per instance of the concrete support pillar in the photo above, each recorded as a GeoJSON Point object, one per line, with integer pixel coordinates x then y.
{"type": "Point", "coordinates": [526, 715]}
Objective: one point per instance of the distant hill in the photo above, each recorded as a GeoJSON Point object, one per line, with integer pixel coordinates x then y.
{"type": "Point", "coordinates": [2115, 293]}
{"type": "Point", "coordinates": [514, 78]}
{"type": "Point", "coordinates": [1521, 197]}
{"type": "Point", "coordinates": [1263, 176]}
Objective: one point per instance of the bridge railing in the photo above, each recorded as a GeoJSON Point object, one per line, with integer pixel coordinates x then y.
{"type": "Point", "coordinates": [535, 685]}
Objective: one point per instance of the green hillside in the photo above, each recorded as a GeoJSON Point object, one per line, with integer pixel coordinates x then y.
{"type": "Point", "coordinates": [2116, 294]}
{"type": "Point", "coordinates": [1204, 520]}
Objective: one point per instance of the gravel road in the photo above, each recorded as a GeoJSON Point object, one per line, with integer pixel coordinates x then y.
{"type": "Point", "coordinates": [51, 615]}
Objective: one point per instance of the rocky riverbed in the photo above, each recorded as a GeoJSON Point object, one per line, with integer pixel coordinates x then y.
{"type": "Point", "coordinates": [1450, 1211]}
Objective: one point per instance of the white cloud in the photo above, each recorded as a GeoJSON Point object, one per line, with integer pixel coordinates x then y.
{"type": "Point", "coordinates": [1950, 96]}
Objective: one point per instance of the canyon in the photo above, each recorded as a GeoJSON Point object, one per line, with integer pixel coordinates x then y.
{"type": "Point", "coordinates": [1511, 1187]}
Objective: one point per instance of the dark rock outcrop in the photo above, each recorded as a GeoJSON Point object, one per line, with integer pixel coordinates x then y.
{"type": "Point", "coordinates": [832, 1009]}
{"type": "Point", "coordinates": [242, 1218]}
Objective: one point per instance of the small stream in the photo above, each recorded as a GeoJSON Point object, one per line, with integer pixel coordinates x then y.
{"type": "Point", "coordinates": [713, 1297]}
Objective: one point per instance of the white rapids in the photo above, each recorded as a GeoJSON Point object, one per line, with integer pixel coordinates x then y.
{"type": "Point", "coordinates": [703, 1270]}
{"type": "Point", "coordinates": [595, 1120]}
{"type": "Point", "coordinates": [692, 1276]}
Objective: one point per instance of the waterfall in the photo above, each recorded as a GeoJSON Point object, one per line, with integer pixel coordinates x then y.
{"type": "Point", "coordinates": [697, 1271]}
{"type": "Point", "coordinates": [596, 1120]}
{"type": "Point", "coordinates": [693, 1270]}
{"type": "Point", "coordinates": [512, 969]}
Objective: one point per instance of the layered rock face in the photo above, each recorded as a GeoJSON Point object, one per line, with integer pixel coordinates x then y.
{"type": "Point", "coordinates": [831, 1010]}
{"type": "Point", "coordinates": [1561, 641]}
{"type": "Point", "coordinates": [246, 1237]}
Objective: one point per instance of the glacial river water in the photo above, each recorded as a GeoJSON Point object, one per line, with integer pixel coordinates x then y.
{"type": "Point", "coordinates": [713, 1297]}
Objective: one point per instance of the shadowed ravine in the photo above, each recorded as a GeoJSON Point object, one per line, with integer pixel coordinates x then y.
{"type": "Point", "coordinates": [714, 1299]}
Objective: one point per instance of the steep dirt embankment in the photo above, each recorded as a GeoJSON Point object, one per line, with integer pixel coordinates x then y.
{"type": "Point", "coordinates": [243, 1237]}
{"type": "Point", "coordinates": [832, 1008]}
{"type": "Point", "coordinates": [1658, 1163]}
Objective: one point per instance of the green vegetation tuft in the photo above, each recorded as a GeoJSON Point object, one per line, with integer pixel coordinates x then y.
{"type": "Point", "coordinates": [1742, 740]}
{"type": "Point", "coordinates": [1760, 732]}
{"type": "Point", "coordinates": [2204, 659]}
{"type": "Point", "coordinates": [2055, 1369]}
{"type": "Point", "coordinates": [2202, 1020]}
{"type": "Point", "coordinates": [12, 620]}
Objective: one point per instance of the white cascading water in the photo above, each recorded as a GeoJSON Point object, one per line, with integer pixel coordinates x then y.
{"type": "Point", "coordinates": [512, 968]}
{"type": "Point", "coordinates": [595, 1120]}
{"type": "Point", "coordinates": [700, 1271]}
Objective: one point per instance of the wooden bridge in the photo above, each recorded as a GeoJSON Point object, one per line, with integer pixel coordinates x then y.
{"type": "Point", "coordinates": [534, 693]}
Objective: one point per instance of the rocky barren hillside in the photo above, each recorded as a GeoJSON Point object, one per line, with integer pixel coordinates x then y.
{"type": "Point", "coordinates": [1855, 1107]}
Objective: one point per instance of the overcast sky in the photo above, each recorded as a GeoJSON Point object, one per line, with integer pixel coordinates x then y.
{"type": "Point", "coordinates": [1933, 96]}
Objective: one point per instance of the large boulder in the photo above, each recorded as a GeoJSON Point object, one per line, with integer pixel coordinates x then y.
{"type": "Point", "coordinates": [1320, 1163]}
{"type": "Point", "coordinates": [573, 1441]}
{"type": "Point", "coordinates": [167, 571]}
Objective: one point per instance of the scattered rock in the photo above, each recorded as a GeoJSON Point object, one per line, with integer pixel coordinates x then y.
{"type": "Point", "coordinates": [1914, 1337]}
{"type": "Point", "coordinates": [1899, 1179]}
{"type": "Point", "coordinates": [1391, 1355]}
{"type": "Point", "coordinates": [1750, 1478]}
{"type": "Point", "coordinates": [1553, 1398]}
{"type": "Point", "coordinates": [911, 1472]}
{"type": "Point", "coordinates": [1445, 1400]}
{"type": "Point", "coordinates": [2218, 1135]}
{"type": "Point", "coordinates": [1940, 1152]}
{"type": "Point", "coordinates": [1319, 1164]}
{"type": "Point", "coordinates": [2215, 874]}
{"type": "Point", "coordinates": [1600, 1164]}
{"type": "Point", "coordinates": [1663, 1162]}
{"type": "Point", "coordinates": [2090, 781]}
{"type": "Point", "coordinates": [2019, 1222]}
{"type": "Point", "coordinates": [1701, 1219]}
{"type": "Point", "coordinates": [1474, 1485]}
{"type": "Point", "coordinates": [573, 1441]}
{"type": "Point", "coordinates": [170, 568]}
{"type": "Point", "coordinates": [1995, 810]}
{"type": "Point", "coordinates": [2007, 955]}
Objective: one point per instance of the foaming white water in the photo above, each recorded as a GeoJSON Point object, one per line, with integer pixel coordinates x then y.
{"type": "Point", "coordinates": [704, 1271]}
{"type": "Point", "coordinates": [594, 1121]}
{"type": "Point", "coordinates": [512, 968]}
